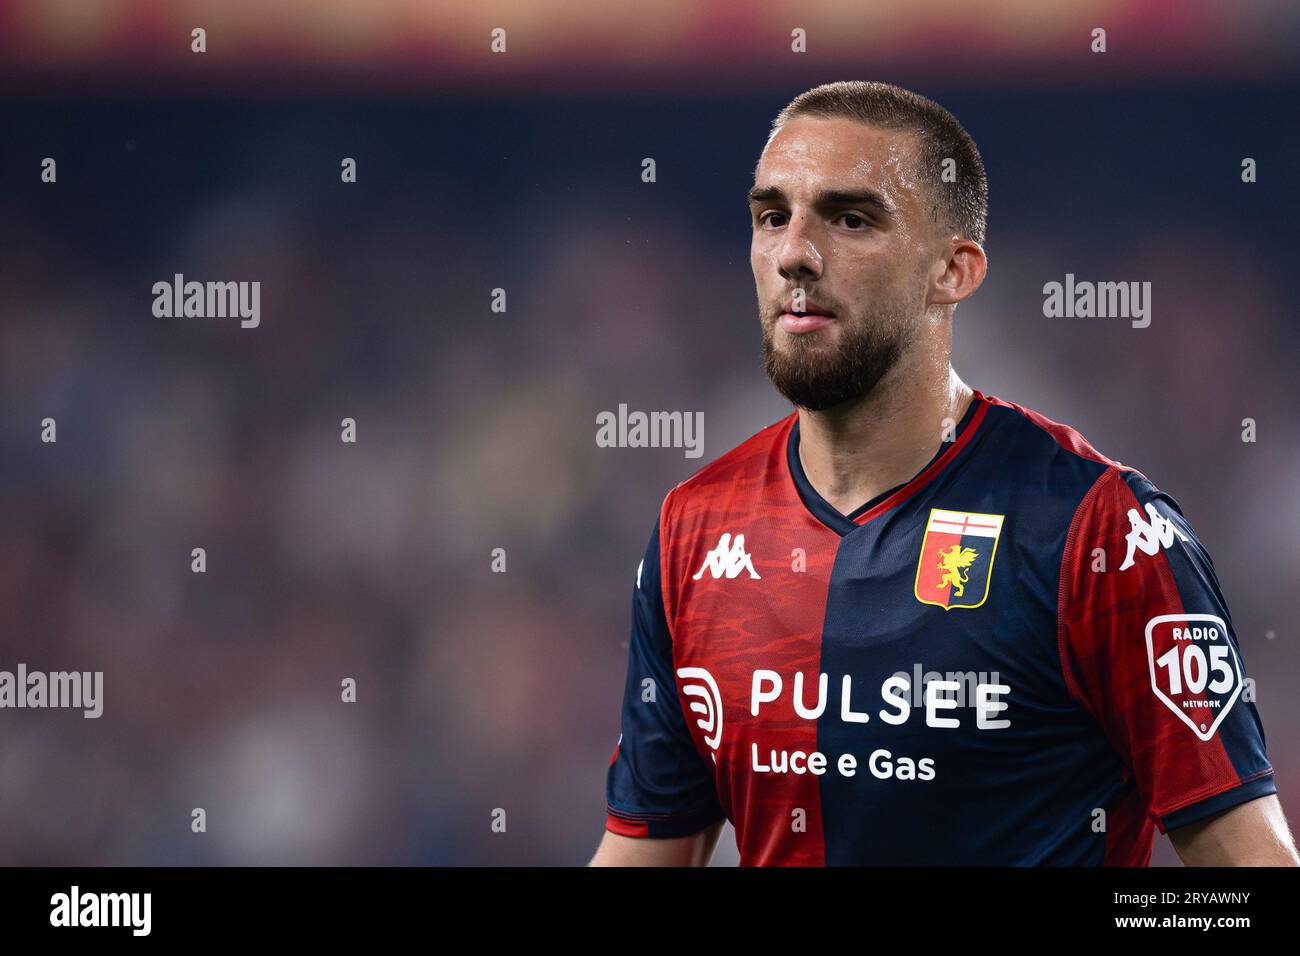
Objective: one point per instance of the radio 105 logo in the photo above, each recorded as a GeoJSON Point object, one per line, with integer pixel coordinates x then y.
{"type": "Point", "coordinates": [1195, 669]}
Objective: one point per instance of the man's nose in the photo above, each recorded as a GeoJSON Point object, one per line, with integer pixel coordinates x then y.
{"type": "Point", "coordinates": [798, 256]}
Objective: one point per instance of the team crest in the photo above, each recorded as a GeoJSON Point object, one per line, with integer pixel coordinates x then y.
{"type": "Point", "coordinates": [957, 558]}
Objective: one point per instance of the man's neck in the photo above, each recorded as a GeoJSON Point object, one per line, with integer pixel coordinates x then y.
{"type": "Point", "coordinates": [852, 453]}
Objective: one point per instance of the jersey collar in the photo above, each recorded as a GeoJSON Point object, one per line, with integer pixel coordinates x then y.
{"type": "Point", "coordinates": [842, 524]}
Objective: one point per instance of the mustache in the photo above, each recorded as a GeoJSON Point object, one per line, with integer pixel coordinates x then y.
{"type": "Point", "coordinates": [810, 296]}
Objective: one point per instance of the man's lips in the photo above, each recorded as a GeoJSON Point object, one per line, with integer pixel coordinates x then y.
{"type": "Point", "coordinates": [807, 306]}
{"type": "Point", "coordinates": [812, 316]}
{"type": "Point", "coordinates": [798, 324]}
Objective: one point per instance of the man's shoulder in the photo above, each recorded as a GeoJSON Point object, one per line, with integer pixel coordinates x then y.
{"type": "Point", "coordinates": [748, 465]}
{"type": "Point", "coordinates": [1049, 434]}
{"type": "Point", "coordinates": [1061, 464]}
{"type": "Point", "coordinates": [1052, 458]}
{"type": "Point", "coordinates": [1027, 436]}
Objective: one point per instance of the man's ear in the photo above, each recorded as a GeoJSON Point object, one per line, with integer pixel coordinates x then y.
{"type": "Point", "coordinates": [960, 274]}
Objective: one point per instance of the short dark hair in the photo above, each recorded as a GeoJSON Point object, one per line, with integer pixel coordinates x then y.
{"type": "Point", "coordinates": [963, 202]}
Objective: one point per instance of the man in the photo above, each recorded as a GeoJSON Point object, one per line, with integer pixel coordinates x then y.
{"type": "Point", "coordinates": [913, 623]}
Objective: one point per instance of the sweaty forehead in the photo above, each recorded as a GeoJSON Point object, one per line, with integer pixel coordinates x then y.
{"type": "Point", "coordinates": [809, 153]}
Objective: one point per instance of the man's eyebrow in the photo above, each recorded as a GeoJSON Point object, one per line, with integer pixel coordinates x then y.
{"type": "Point", "coordinates": [765, 194]}
{"type": "Point", "coordinates": [827, 197]}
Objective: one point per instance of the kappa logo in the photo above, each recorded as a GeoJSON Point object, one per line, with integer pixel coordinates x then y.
{"type": "Point", "coordinates": [1149, 537]}
{"type": "Point", "coordinates": [728, 559]}
{"type": "Point", "coordinates": [706, 700]}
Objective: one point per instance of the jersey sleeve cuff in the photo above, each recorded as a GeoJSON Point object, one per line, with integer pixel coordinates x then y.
{"type": "Point", "coordinates": [1261, 786]}
{"type": "Point", "coordinates": [630, 824]}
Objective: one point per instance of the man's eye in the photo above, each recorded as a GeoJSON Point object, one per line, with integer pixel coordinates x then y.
{"type": "Point", "coordinates": [854, 216]}
{"type": "Point", "coordinates": [765, 219]}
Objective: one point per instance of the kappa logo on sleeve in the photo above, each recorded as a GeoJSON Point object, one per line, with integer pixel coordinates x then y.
{"type": "Point", "coordinates": [1194, 668]}
{"type": "Point", "coordinates": [1149, 537]}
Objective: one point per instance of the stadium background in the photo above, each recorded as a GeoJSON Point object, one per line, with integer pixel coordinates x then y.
{"type": "Point", "coordinates": [476, 430]}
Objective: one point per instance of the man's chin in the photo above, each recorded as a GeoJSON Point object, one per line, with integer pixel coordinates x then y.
{"type": "Point", "coordinates": [818, 402]}
{"type": "Point", "coordinates": [810, 388]}
{"type": "Point", "coordinates": [813, 375]}
{"type": "Point", "coordinates": [803, 346]}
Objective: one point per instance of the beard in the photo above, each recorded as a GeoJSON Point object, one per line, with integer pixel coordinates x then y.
{"type": "Point", "coordinates": [817, 375]}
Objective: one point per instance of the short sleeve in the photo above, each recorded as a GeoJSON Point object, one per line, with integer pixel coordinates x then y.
{"type": "Point", "coordinates": [1148, 648]}
{"type": "Point", "coordinates": [658, 784]}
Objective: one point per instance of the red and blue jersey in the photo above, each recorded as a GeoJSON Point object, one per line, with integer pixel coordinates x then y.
{"type": "Point", "coordinates": [1019, 657]}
